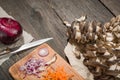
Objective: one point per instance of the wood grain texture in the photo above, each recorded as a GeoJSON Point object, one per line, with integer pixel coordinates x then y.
{"type": "Point", "coordinates": [40, 21]}
{"type": "Point", "coordinates": [71, 9]}
{"type": "Point", "coordinates": [113, 6]}
{"type": "Point", "coordinates": [38, 18]}
{"type": "Point", "coordinates": [43, 18]}
{"type": "Point", "coordinates": [17, 75]}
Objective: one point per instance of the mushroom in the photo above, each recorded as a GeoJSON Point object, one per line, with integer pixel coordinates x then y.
{"type": "Point", "coordinates": [82, 18]}
{"type": "Point", "coordinates": [97, 65]}
{"type": "Point", "coordinates": [117, 35]}
{"type": "Point", "coordinates": [117, 28]}
{"type": "Point", "coordinates": [83, 38]}
{"type": "Point", "coordinates": [101, 50]}
{"type": "Point", "coordinates": [89, 54]}
{"type": "Point", "coordinates": [113, 20]}
{"type": "Point", "coordinates": [76, 52]}
{"type": "Point", "coordinates": [116, 52]}
{"type": "Point", "coordinates": [109, 63]}
{"type": "Point", "coordinates": [90, 47]}
{"type": "Point", "coordinates": [98, 43]}
{"type": "Point", "coordinates": [112, 73]}
{"type": "Point", "coordinates": [109, 37]}
{"type": "Point", "coordinates": [118, 18]}
{"type": "Point", "coordinates": [67, 24]}
{"type": "Point", "coordinates": [83, 27]}
{"type": "Point", "coordinates": [106, 25]}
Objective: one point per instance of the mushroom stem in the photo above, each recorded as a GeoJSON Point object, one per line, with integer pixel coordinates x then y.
{"type": "Point", "coordinates": [97, 69]}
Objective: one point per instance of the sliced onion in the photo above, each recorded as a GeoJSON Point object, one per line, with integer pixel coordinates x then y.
{"type": "Point", "coordinates": [43, 52]}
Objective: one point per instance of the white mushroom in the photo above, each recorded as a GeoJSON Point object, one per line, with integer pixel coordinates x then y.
{"type": "Point", "coordinates": [117, 28]}
{"type": "Point", "coordinates": [78, 36]}
{"type": "Point", "coordinates": [109, 36]}
{"type": "Point", "coordinates": [106, 53]}
{"type": "Point", "coordinates": [76, 52]}
{"type": "Point", "coordinates": [67, 24]}
{"type": "Point", "coordinates": [82, 18]}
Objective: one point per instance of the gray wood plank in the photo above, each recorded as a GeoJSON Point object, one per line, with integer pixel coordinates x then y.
{"type": "Point", "coordinates": [2, 74]}
{"type": "Point", "coordinates": [113, 6]}
{"type": "Point", "coordinates": [5, 66]}
{"type": "Point", "coordinates": [39, 19]}
{"type": "Point", "coordinates": [71, 9]}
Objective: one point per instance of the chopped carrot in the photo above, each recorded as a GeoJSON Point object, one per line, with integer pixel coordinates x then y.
{"type": "Point", "coordinates": [57, 74]}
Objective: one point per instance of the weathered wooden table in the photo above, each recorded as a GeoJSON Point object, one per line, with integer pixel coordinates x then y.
{"type": "Point", "coordinates": [44, 18]}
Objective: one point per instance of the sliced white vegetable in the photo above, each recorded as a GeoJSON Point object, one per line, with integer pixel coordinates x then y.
{"type": "Point", "coordinates": [43, 52]}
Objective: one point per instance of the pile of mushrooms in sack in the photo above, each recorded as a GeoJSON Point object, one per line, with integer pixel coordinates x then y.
{"type": "Point", "coordinates": [99, 44]}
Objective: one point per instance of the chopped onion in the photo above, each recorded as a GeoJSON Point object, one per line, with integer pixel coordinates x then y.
{"type": "Point", "coordinates": [43, 52]}
{"type": "Point", "coordinates": [33, 66]}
